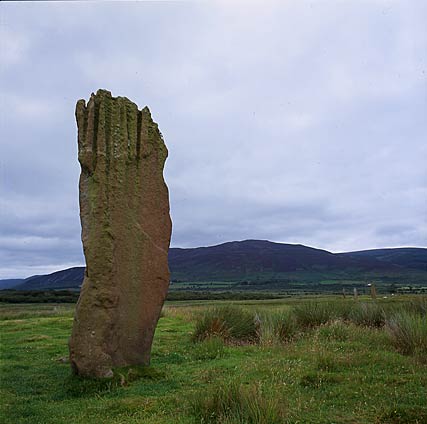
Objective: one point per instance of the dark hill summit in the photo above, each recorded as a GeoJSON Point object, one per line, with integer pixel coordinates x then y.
{"type": "Point", "coordinates": [240, 259]}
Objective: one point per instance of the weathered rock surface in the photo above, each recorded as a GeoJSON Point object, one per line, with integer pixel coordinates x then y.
{"type": "Point", "coordinates": [126, 228]}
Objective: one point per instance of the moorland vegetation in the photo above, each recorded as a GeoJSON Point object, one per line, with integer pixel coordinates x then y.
{"type": "Point", "coordinates": [292, 360]}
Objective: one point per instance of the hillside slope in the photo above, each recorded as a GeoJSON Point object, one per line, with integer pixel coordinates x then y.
{"type": "Point", "coordinates": [70, 278]}
{"type": "Point", "coordinates": [407, 257]}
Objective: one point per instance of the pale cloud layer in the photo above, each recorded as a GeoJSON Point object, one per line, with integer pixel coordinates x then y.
{"type": "Point", "coordinates": [295, 121]}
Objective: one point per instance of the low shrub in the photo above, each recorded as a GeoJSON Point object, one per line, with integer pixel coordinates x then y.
{"type": "Point", "coordinates": [179, 295]}
{"type": "Point", "coordinates": [368, 314]}
{"type": "Point", "coordinates": [230, 323]}
{"type": "Point", "coordinates": [38, 296]}
{"type": "Point", "coordinates": [235, 403]}
{"type": "Point", "coordinates": [408, 332]}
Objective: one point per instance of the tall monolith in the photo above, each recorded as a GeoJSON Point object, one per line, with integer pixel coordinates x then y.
{"type": "Point", "coordinates": [126, 228]}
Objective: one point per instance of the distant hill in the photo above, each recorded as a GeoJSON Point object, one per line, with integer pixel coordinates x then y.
{"type": "Point", "coordinates": [242, 259]}
{"type": "Point", "coordinates": [70, 278]}
{"type": "Point", "coordinates": [8, 284]}
{"type": "Point", "coordinates": [264, 262]}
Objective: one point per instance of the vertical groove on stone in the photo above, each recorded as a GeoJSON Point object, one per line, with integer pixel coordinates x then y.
{"type": "Point", "coordinates": [107, 118]}
{"type": "Point", "coordinates": [138, 135]}
{"type": "Point", "coordinates": [94, 132]}
{"type": "Point", "coordinates": [124, 210]}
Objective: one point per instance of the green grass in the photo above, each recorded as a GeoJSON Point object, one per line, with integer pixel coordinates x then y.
{"type": "Point", "coordinates": [335, 372]}
{"type": "Point", "coordinates": [231, 402]}
{"type": "Point", "coordinates": [210, 348]}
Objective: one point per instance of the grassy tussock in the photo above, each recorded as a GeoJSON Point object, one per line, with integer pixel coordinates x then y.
{"type": "Point", "coordinates": [229, 323]}
{"type": "Point", "coordinates": [368, 314]}
{"type": "Point", "coordinates": [406, 326]}
{"type": "Point", "coordinates": [313, 314]}
{"type": "Point", "coordinates": [335, 330]}
{"type": "Point", "coordinates": [418, 305]}
{"type": "Point", "coordinates": [276, 327]}
{"type": "Point", "coordinates": [408, 333]}
{"type": "Point", "coordinates": [235, 403]}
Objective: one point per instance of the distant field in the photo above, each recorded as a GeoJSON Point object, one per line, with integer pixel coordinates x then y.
{"type": "Point", "coordinates": [337, 372]}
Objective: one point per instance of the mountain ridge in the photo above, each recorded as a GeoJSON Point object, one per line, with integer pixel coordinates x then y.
{"type": "Point", "coordinates": [262, 260]}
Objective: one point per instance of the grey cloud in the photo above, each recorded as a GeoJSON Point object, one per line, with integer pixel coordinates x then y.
{"type": "Point", "coordinates": [291, 121]}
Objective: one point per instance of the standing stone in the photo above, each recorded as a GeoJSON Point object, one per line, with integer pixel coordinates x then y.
{"type": "Point", "coordinates": [373, 291]}
{"type": "Point", "coordinates": [126, 228]}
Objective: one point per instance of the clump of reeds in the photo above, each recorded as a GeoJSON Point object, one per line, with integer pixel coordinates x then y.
{"type": "Point", "coordinates": [418, 305]}
{"type": "Point", "coordinates": [230, 323]}
{"type": "Point", "coordinates": [313, 314]}
{"type": "Point", "coordinates": [368, 314]}
{"type": "Point", "coordinates": [408, 332]}
{"type": "Point", "coordinates": [335, 330]}
{"type": "Point", "coordinates": [276, 327]}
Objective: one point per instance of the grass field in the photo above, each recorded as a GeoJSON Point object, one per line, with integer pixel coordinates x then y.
{"type": "Point", "coordinates": [335, 372]}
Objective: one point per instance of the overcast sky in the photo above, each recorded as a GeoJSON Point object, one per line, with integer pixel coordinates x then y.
{"type": "Point", "coordinates": [292, 121]}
